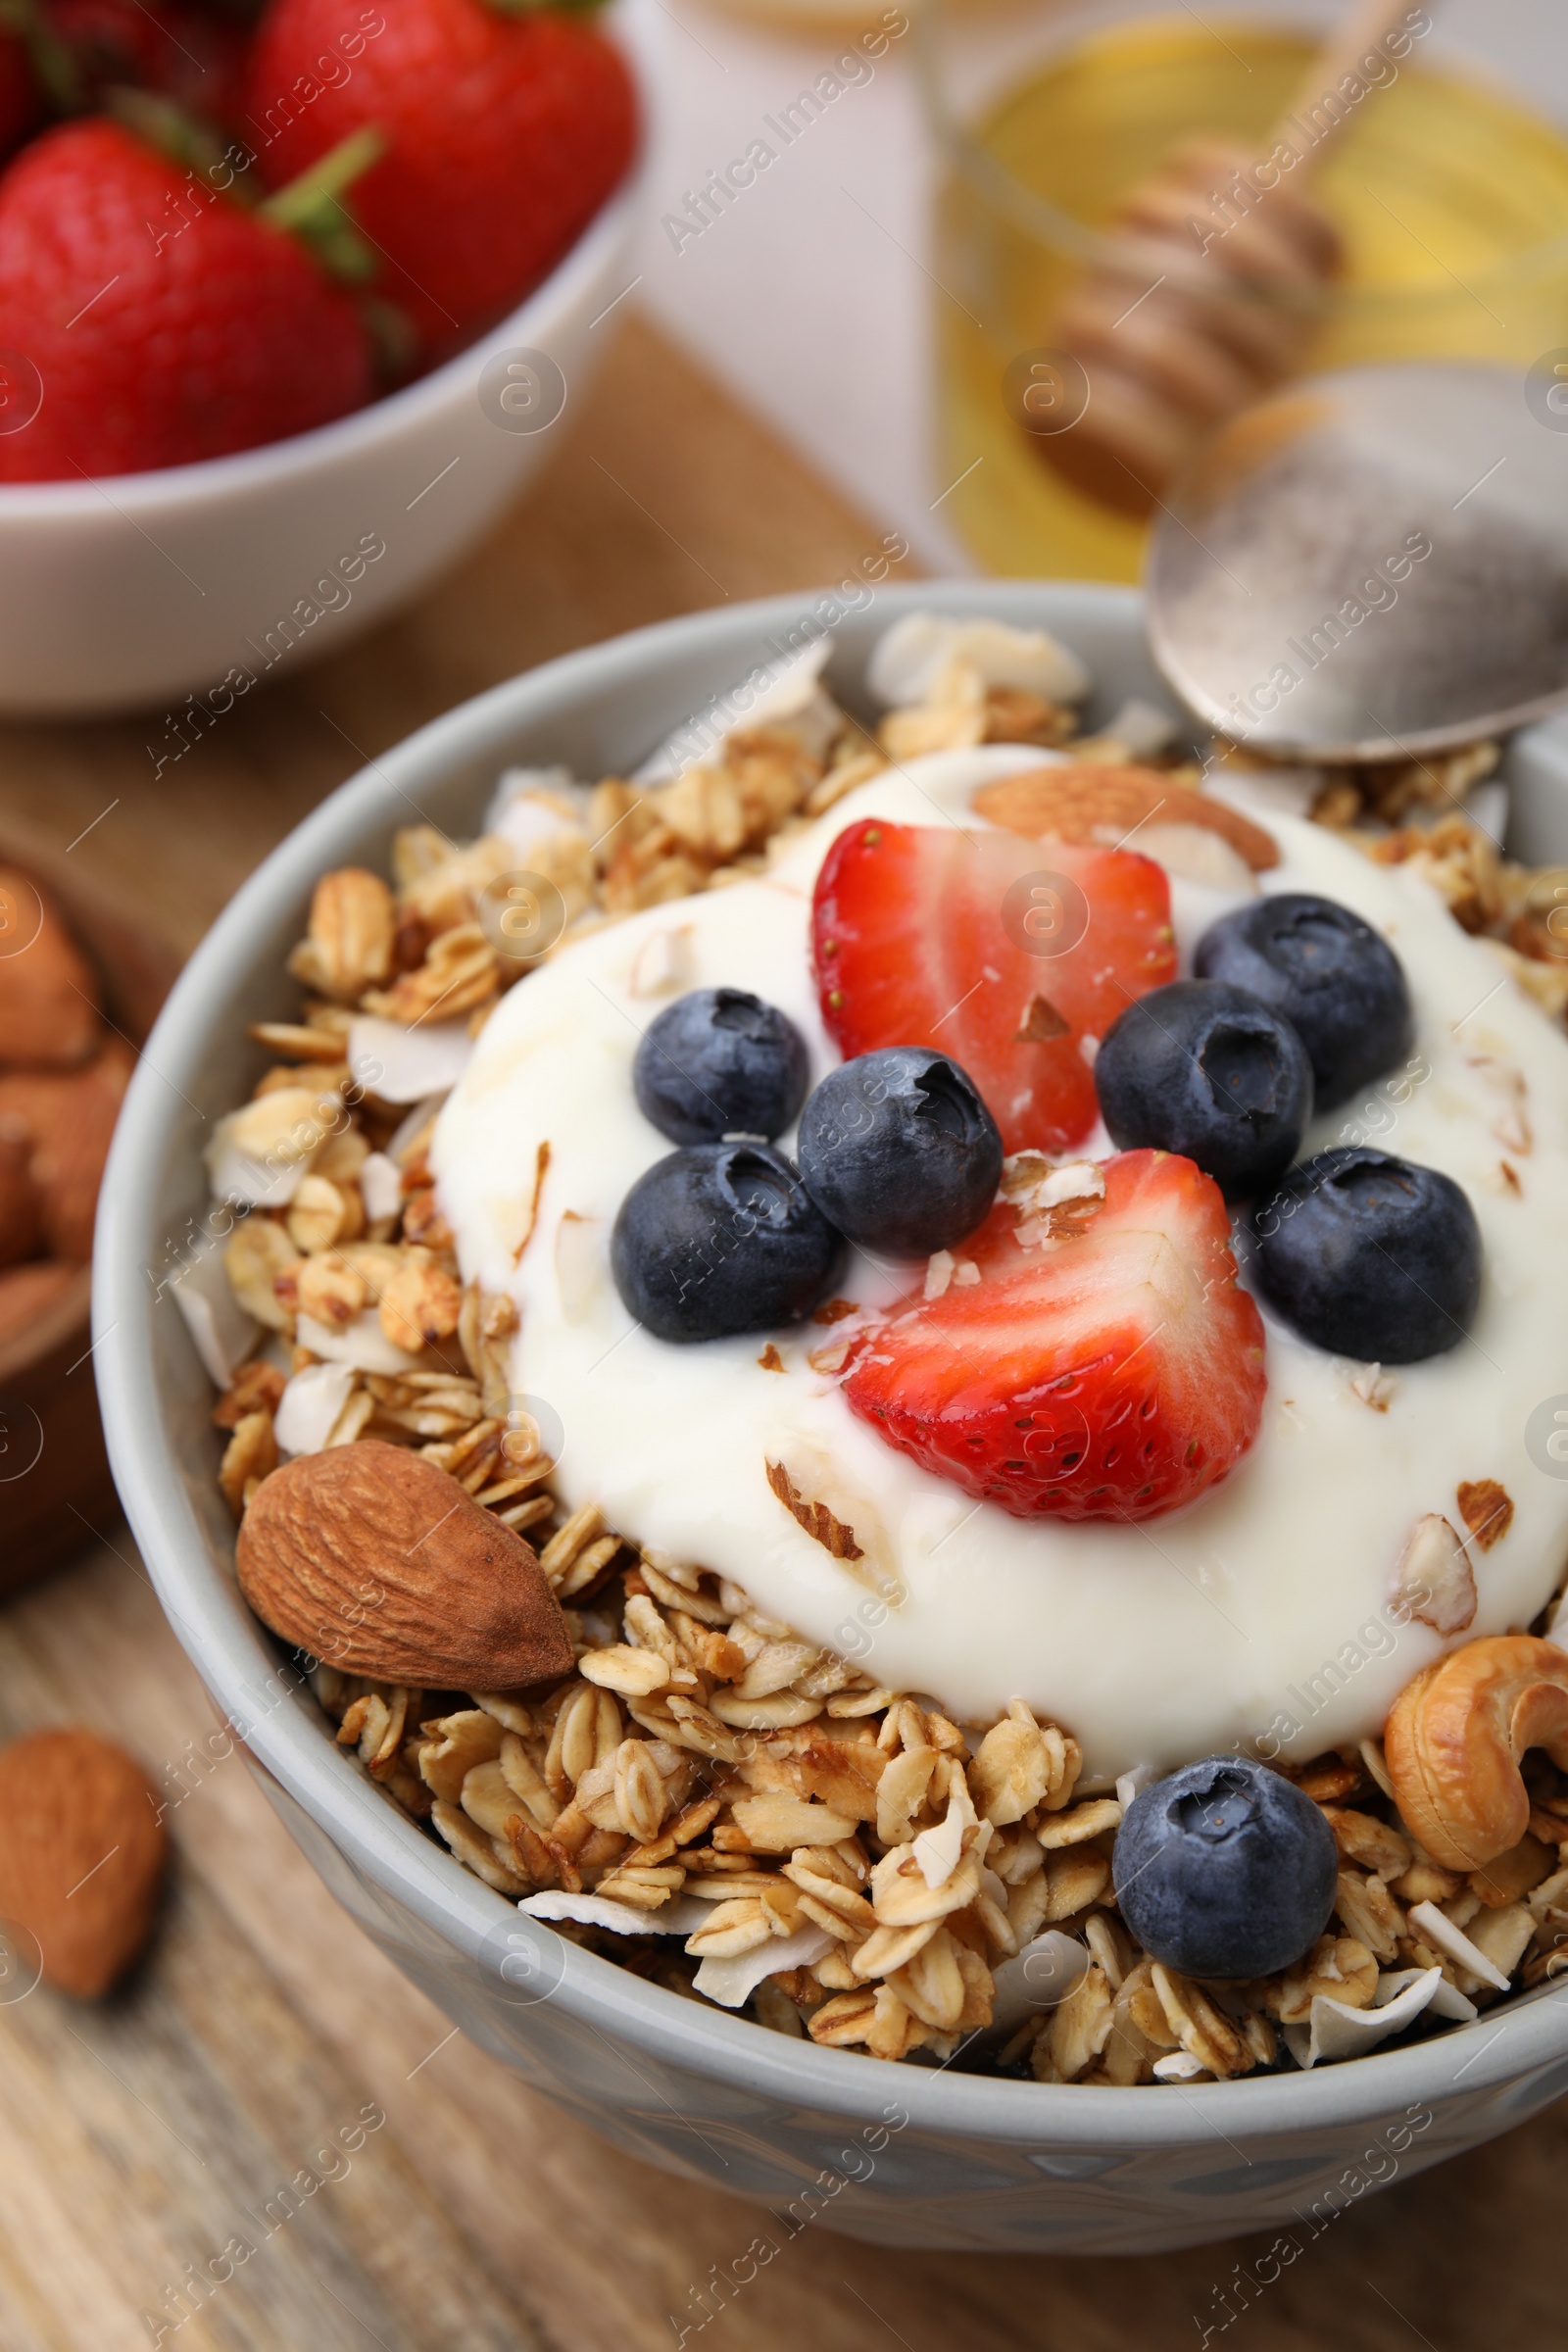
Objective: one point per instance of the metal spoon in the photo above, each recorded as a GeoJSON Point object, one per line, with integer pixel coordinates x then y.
{"type": "Point", "coordinates": [1373, 564]}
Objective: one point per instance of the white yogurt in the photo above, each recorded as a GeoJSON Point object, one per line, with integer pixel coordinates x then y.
{"type": "Point", "coordinates": [1259, 1614]}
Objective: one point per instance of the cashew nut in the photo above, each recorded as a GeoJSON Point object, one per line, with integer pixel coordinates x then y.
{"type": "Point", "coordinates": [1455, 1738]}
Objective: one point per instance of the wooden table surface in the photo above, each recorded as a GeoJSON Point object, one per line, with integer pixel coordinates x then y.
{"type": "Point", "coordinates": [137, 2141]}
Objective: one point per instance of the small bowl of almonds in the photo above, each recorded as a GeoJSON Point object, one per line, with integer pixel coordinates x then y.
{"type": "Point", "coordinates": [79, 988]}
{"type": "Point", "coordinates": [658, 1781]}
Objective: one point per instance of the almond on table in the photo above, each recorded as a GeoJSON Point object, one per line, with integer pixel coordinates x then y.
{"type": "Point", "coordinates": [48, 990]}
{"type": "Point", "coordinates": [20, 1227]}
{"type": "Point", "coordinates": [68, 1119]}
{"type": "Point", "coordinates": [83, 1857]}
{"type": "Point", "coordinates": [27, 1291]}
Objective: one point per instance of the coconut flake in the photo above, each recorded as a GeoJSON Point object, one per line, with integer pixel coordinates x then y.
{"type": "Point", "coordinates": [1043, 1974]}
{"type": "Point", "coordinates": [1130, 1783]}
{"type": "Point", "coordinates": [579, 1264]}
{"type": "Point", "coordinates": [1447, 1999]}
{"type": "Point", "coordinates": [1373, 1386]}
{"type": "Point", "coordinates": [1371, 1753]}
{"type": "Point", "coordinates": [775, 694]}
{"type": "Point", "coordinates": [409, 1129]}
{"type": "Point", "coordinates": [731, 1982]}
{"type": "Point", "coordinates": [683, 1917]}
{"type": "Point", "coordinates": [1440, 1930]}
{"type": "Point", "coordinates": [381, 1187]}
{"type": "Point", "coordinates": [1141, 728]}
{"type": "Point", "coordinates": [937, 1850]}
{"type": "Point", "coordinates": [398, 1063]}
{"type": "Point", "coordinates": [1336, 2031]}
{"type": "Point", "coordinates": [308, 1407]}
{"type": "Point", "coordinates": [1178, 2066]}
{"type": "Point", "coordinates": [259, 1154]}
{"type": "Point", "coordinates": [937, 1273]}
{"type": "Point", "coordinates": [911, 655]}
{"type": "Point", "coordinates": [530, 803]}
{"type": "Point", "coordinates": [793, 685]}
{"type": "Point", "coordinates": [223, 1334]}
{"type": "Point", "coordinates": [664, 964]}
{"type": "Point", "coordinates": [1434, 1580]}
{"type": "Point", "coordinates": [362, 1343]}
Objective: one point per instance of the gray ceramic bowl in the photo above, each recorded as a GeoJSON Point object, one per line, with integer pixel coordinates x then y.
{"type": "Point", "coordinates": [906, 2155]}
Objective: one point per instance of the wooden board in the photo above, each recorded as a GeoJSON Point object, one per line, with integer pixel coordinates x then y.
{"type": "Point", "coordinates": [140, 2140]}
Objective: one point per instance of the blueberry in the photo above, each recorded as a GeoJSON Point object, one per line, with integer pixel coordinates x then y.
{"type": "Point", "coordinates": [1339, 985]}
{"type": "Point", "coordinates": [719, 1062]}
{"type": "Point", "coordinates": [1225, 1868]}
{"type": "Point", "coordinates": [899, 1152]}
{"type": "Point", "coordinates": [1208, 1070]}
{"type": "Point", "coordinates": [720, 1239]}
{"type": "Point", "coordinates": [1371, 1257]}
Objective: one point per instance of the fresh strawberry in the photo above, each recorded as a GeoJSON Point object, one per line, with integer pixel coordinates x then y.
{"type": "Point", "coordinates": [181, 52]}
{"type": "Point", "coordinates": [505, 134]}
{"type": "Point", "coordinates": [927, 936]}
{"type": "Point", "coordinates": [165, 323]}
{"type": "Point", "coordinates": [1109, 1368]}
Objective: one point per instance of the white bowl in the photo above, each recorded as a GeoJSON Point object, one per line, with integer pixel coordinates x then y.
{"type": "Point", "coordinates": [908, 2155]}
{"type": "Point", "coordinates": [142, 588]}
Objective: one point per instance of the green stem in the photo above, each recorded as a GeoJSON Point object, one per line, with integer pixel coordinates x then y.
{"type": "Point", "coordinates": [159, 122]}
{"type": "Point", "coordinates": [309, 207]}
{"type": "Point", "coordinates": [326, 178]}
{"type": "Point", "coordinates": [51, 60]}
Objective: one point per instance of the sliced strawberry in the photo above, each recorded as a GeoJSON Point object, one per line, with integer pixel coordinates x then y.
{"type": "Point", "coordinates": [1106, 1365]}
{"type": "Point", "coordinates": [918, 942]}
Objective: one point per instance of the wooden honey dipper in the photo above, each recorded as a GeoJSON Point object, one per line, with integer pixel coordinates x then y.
{"type": "Point", "coordinates": [1173, 334]}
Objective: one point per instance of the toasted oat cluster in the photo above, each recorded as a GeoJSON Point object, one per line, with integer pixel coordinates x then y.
{"type": "Point", "coordinates": [898, 1871]}
{"type": "Point", "coordinates": [702, 1750]}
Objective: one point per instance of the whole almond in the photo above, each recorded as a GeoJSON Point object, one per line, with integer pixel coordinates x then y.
{"type": "Point", "coordinates": [378, 1563]}
{"type": "Point", "coordinates": [19, 1197]}
{"type": "Point", "coordinates": [1085, 801]}
{"type": "Point", "coordinates": [27, 1295]}
{"type": "Point", "coordinates": [68, 1120]}
{"type": "Point", "coordinates": [48, 994]}
{"type": "Point", "coordinates": [82, 1855]}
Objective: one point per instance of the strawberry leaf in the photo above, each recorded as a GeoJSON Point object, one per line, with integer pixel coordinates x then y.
{"type": "Point", "coordinates": [162, 125]}
{"type": "Point", "coordinates": [311, 206]}
{"type": "Point", "coordinates": [51, 60]}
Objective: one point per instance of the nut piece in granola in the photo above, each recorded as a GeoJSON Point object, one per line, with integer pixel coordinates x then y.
{"type": "Point", "coordinates": [1434, 1580]}
{"type": "Point", "coordinates": [1089, 803]}
{"type": "Point", "coordinates": [1456, 1734]}
{"type": "Point", "coordinates": [379, 1562]}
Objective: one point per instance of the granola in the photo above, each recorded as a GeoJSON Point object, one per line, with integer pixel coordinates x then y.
{"type": "Point", "coordinates": [873, 1874]}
